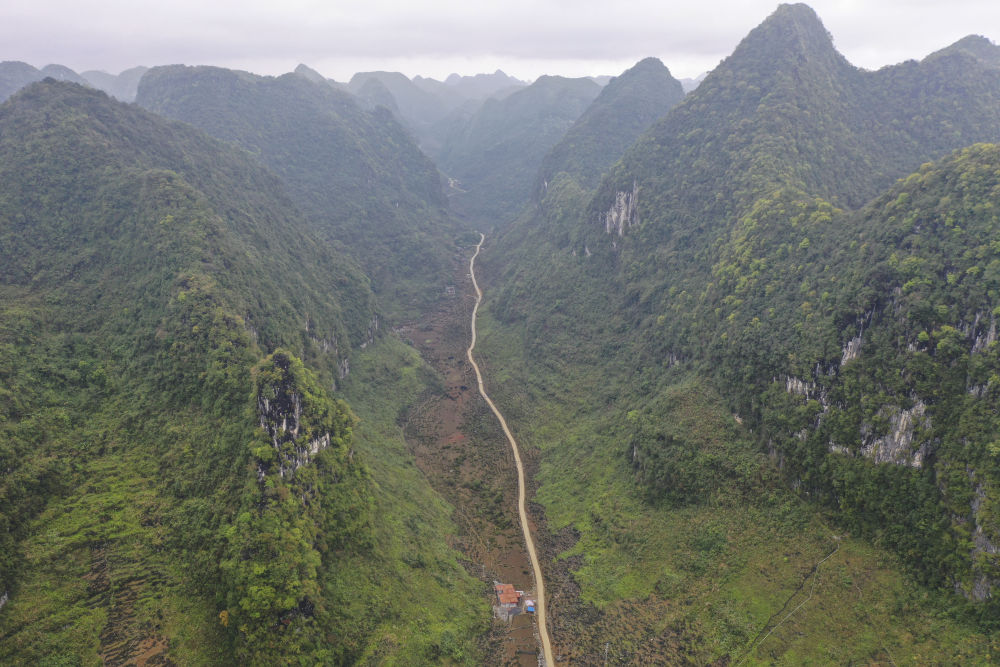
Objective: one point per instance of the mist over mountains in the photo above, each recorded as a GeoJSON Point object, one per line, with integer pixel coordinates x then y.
{"type": "Point", "coordinates": [745, 325]}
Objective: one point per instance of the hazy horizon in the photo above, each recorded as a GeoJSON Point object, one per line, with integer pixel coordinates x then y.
{"type": "Point", "coordinates": [439, 38]}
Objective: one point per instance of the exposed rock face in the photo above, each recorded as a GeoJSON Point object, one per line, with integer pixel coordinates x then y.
{"type": "Point", "coordinates": [371, 332]}
{"type": "Point", "coordinates": [279, 406]}
{"type": "Point", "coordinates": [329, 346]}
{"type": "Point", "coordinates": [852, 349]}
{"type": "Point", "coordinates": [622, 213]}
{"type": "Point", "coordinates": [897, 445]}
{"type": "Point", "coordinates": [982, 339]}
{"type": "Point", "coordinates": [985, 553]}
{"type": "Point", "coordinates": [799, 387]}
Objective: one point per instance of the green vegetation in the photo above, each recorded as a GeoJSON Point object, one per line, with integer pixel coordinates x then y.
{"type": "Point", "coordinates": [430, 610]}
{"type": "Point", "coordinates": [624, 109]}
{"type": "Point", "coordinates": [180, 481]}
{"type": "Point", "coordinates": [704, 576]}
{"type": "Point", "coordinates": [357, 176]}
{"type": "Point", "coordinates": [740, 265]}
{"type": "Point", "coordinates": [496, 152]}
{"type": "Point", "coordinates": [759, 376]}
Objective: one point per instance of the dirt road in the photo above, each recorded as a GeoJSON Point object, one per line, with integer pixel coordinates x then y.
{"type": "Point", "coordinates": [529, 542]}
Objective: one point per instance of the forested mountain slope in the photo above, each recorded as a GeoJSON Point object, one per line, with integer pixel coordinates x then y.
{"type": "Point", "coordinates": [786, 110]}
{"type": "Point", "coordinates": [482, 86]}
{"type": "Point", "coordinates": [977, 46]}
{"type": "Point", "coordinates": [180, 481]}
{"type": "Point", "coordinates": [358, 176]}
{"type": "Point", "coordinates": [16, 75]}
{"type": "Point", "coordinates": [753, 239]}
{"type": "Point", "coordinates": [624, 109]}
{"type": "Point", "coordinates": [418, 106]}
{"type": "Point", "coordinates": [122, 86]}
{"type": "Point", "coordinates": [495, 153]}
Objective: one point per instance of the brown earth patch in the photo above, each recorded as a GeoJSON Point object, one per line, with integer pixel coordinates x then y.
{"type": "Point", "coordinates": [459, 446]}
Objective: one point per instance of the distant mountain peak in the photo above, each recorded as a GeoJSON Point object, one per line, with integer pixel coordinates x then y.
{"type": "Point", "coordinates": [792, 30]}
{"type": "Point", "coordinates": [976, 43]}
{"type": "Point", "coordinates": [625, 107]}
{"type": "Point", "coordinates": [647, 65]}
{"type": "Point", "coordinates": [309, 73]}
{"type": "Point", "coordinates": [650, 61]}
{"type": "Point", "coordinates": [499, 76]}
{"type": "Point", "coordinates": [63, 73]}
{"type": "Point", "coordinates": [976, 46]}
{"type": "Point", "coordinates": [792, 39]}
{"type": "Point", "coordinates": [376, 94]}
{"type": "Point", "coordinates": [386, 77]}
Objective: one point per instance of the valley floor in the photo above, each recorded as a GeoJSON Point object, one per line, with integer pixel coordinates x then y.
{"type": "Point", "coordinates": [458, 445]}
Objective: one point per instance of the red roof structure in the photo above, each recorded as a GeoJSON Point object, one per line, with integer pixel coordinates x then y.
{"type": "Point", "coordinates": [506, 594]}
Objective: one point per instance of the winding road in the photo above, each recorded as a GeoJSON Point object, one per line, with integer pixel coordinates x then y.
{"type": "Point", "coordinates": [543, 632]}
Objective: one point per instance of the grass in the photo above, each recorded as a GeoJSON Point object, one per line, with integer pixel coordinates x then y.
{"type": "Point", "coordinates": [91, 546]}
{"type": "Point", "coordinates": [406, 601]}
{"type": "Point", "coordinates": [707, 580]}
{"type": "Point", "coordinates": [432, 610]}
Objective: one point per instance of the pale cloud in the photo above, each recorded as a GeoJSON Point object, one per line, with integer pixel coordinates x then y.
{"type": "Point", "coordinates": [525, 38]}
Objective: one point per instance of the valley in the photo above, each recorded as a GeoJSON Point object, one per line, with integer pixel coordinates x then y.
{"type": "Point", "coordinates": [459, 446]}
{"type": "Point", "coordinates": [718, 383]}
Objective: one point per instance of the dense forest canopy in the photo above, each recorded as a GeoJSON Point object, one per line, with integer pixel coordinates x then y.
{"type": "Point", "coordinates": [357, 175]}
{"type": "Point", "coordinates": [732, 239]}
{"type": "Point", "coordinates": [172, 337]}
{"type": "Point", "coordinates": [748, 335]}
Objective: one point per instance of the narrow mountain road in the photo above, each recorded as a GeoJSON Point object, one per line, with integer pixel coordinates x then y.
{"type": "Point", "coordinates": [543, 632]}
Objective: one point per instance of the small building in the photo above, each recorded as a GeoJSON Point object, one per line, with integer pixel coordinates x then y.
{"type": "Point", "coordinates": [529, 606]}
{"type": "Point", "coordinates": [506, 594]}
{"type": "Point", "coordinates": [507, 601]}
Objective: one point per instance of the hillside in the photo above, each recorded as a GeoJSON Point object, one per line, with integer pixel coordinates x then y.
{"type": "Point", "coordinates": [357, 175]}
{"type": "Point", "coordinates": [495, 153]}
{"type": "Point", "coordinates": [122, 86]}
{"type": "Point", "coordinates": [428, 107]}
{"type": "Point", "coordinates": [481, 86]}
{"type": "Point", "coordinates": [624, 109]}
{"type": "Point", "coordinates": [183, 483]}
{"type": "Point", "coordinates": [749, 258]}
{"type": "Point", "coordinates": [16, 75]}
{"type": "Point", "coordinates": [420, 106]}
{"type": "Point", "coordinates": [746, 339]}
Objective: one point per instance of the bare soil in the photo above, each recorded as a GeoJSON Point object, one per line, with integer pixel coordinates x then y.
{"type": "Point", "coordinates": [124, 640]}
{"type": "Point", "coordinates": [459, 446]}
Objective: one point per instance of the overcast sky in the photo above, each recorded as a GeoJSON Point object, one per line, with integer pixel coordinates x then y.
{"type": "Point", "coordinates": [525, 38]}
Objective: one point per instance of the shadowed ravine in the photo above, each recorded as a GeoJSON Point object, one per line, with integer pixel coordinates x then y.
{"type": "Point", "coordinates": [543, 632]}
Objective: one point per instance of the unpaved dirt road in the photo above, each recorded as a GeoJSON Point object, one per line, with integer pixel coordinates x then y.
{"type": "Point", "coordinates": [529, 542]}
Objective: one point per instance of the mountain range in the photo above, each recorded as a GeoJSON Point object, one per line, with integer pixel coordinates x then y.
{"type": "Point", "coordinates": [798, 239]}
{"type": "Point", "coordinates": [747, 333]}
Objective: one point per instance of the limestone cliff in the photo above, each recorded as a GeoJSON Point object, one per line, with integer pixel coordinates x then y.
{"type": "Point", "coordinates": [298, 425]}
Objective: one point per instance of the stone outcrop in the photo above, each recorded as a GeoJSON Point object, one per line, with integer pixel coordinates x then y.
{"type": "Point", "coordinates": [983, 337]}
{"type": "Point", "coordinates": [851, 351]}
{"type": "Point", "coordinates": [896, 446]}
{"type": "Point", "coordinates": [983, 546]}
{"type": "Point", "coordinates": [799, 387]}
{"type": "Point", "coordinates": [279, 407]}
{"type": "Point", "coordinates": [852, 348]}
{"type": "Point", "coordinates": [371, 332]}
{"type": "Point", "coordinates": [622, 213]}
